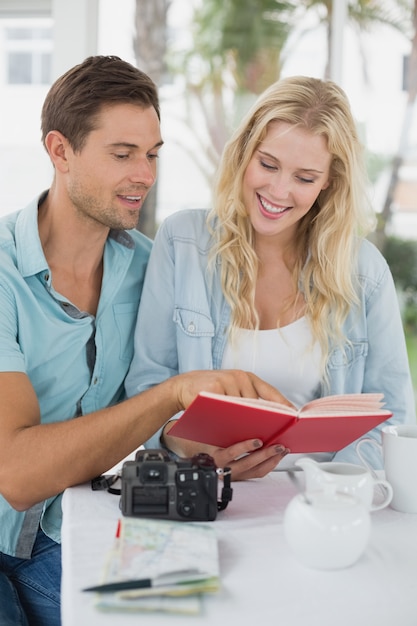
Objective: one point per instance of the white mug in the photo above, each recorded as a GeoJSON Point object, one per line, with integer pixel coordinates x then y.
{"type": "Point", "coordinates": [399, 449]}
{"type": "Point", "coordinates": [350, 479]}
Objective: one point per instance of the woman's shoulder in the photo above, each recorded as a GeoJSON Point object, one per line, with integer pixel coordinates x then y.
{"type": "Point", "coordinates": [368, 251]}
{"type": "Point", "coordinates": [187, 216]}
{"type": "Point", "coordinates": [371, 261]}
{"type": "Point", "coordinates": [186, 224]}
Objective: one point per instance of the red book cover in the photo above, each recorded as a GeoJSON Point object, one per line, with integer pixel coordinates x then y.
{"type": "Point", "coordinates": [324, 425]}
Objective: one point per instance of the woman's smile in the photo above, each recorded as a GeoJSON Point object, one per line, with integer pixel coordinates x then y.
{"type": "Point", "coordinates": [270, 210]}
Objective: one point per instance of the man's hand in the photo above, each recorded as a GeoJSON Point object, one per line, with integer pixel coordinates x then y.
{"type": "Point", "coordinates": [227, 382]}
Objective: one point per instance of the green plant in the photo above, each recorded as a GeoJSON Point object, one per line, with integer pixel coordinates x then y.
{"type": "Point", "coordinates": [401, 256]}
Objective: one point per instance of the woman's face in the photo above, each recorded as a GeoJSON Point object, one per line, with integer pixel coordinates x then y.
{"type": "Point", "coordinates": [283, 179]}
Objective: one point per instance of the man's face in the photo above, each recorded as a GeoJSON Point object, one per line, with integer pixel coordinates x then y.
{"type": "Point", "coordinates": [109, 178]}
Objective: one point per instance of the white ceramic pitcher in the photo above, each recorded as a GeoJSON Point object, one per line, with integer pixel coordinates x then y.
{"type": "Point", "coordinates": [347, 478]}
{"type": "Point", "coordinates": [328, 531]}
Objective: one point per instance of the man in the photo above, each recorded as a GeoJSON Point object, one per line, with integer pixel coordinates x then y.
{"type": "Point", "coordinates": [70, 282]}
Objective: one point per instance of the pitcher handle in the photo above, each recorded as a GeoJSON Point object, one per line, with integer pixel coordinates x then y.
{"type": "Point", "coordinates": [387, 494]}
{"type": "Point", "coordinates": [362, 458]}
{"type": "Point", "coordinates": [384, 485]}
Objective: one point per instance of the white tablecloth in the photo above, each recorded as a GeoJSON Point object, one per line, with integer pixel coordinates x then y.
{"type": "Point", "coordinates": [262, 582]}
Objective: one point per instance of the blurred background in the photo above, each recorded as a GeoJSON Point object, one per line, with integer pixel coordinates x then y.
{"type": "Point", "coordinates": [210, 60]}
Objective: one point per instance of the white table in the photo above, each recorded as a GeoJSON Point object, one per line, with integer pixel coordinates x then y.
{"type": "Point", "coordinates": [262, 582]}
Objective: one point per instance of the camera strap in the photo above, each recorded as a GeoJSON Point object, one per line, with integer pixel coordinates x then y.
{"type": "Point", "coordinates": [106, 481]}
{"type": "Point", "coordinates": [227, 491]}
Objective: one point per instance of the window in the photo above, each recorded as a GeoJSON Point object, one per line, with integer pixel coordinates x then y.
{"type": "Point", "coordinates": [28, 50]}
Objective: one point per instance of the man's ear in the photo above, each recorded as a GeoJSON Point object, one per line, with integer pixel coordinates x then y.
{"type": "Point", "coordinates": [58, 146]}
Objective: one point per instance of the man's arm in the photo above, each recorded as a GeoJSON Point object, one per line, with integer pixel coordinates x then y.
{"type": "Point", "coordinates": [41, 460]}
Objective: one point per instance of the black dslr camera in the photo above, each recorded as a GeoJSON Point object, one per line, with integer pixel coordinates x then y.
{"type": "Point", "coordinates": [155, 486]}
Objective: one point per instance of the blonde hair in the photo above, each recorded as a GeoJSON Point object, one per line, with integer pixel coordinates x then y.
{"type": "Point", "coordinates": [326, 244]}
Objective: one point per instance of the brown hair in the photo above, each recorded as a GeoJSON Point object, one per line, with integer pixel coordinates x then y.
{"type": "Point", "coordinates": [75, 100]}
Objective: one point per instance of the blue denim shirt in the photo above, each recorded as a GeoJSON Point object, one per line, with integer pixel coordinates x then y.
{"type": "Point", "coordinates": [76, 362]}
{"type": "Point", "coordinates": [183, 321]}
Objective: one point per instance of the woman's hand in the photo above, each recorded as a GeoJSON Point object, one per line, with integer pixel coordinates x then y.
{"type": "Point", "coordinates": [254, 462]}
{"type": "Point", "coordinates": [247, 459]}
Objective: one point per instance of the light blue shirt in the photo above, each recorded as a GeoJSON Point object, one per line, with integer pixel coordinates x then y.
{"type": "Point", "coordinates": [76, 362]}
{"type": "Point", "coordinates": [183, 321]}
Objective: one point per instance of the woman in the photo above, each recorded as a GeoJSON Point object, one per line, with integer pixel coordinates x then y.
{"type": "Point", "coordinates": [278, 277]}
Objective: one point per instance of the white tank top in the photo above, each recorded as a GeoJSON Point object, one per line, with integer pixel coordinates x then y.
{"type": "Point", "coordinates": [286, 358]}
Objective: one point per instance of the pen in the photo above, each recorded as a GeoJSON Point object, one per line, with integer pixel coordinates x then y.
{"type": "Point", "coordinates": [173, 578]}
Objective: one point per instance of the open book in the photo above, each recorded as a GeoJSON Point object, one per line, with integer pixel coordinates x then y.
{"type": "Point", "coordinates": [324, 425]}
